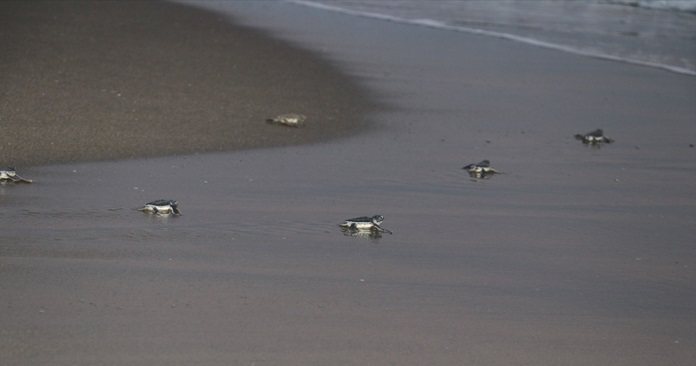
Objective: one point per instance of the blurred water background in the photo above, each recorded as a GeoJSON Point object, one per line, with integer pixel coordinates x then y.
{"type": "Point", "coordinates": [655, 33]}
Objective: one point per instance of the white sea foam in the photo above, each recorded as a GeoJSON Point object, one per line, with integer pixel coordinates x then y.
{"type": "Point", "coordinates": [607, 30]}
{"type": "Point", "coordinates": [681, 5]}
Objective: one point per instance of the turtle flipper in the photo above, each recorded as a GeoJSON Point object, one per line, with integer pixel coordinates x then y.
{"type": "Point", "coordinates": [19, 179]}
{"type": "Point", "coordinates": [382, 230]}
{"type": "Point", "coordinates": [9, 174]}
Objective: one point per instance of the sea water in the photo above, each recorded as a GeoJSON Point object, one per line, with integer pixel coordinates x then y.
{"type": "Point", "coordinates": [658, 33]}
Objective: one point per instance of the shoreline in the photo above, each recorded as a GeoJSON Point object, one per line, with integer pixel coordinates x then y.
{"type": "Point", "coordinates": [93, 81]}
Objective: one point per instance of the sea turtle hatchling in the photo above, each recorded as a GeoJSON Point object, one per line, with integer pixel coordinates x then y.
{"type": "Point", "coordinates": [289, 119]}
{"type": "Point", "coordinates": [365, 223]}
{"type": "Point", "coordinates": [161, 207]}
{"type": "Point", "coordinates": [9, 174]}
{"type": "Point", "coordinates": [593, 138]}
{"type": "Point", "coordinates": [480, 169]}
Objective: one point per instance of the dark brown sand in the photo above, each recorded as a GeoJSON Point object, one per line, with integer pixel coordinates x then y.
{"type": "Point", "coordinates": [95, 80]}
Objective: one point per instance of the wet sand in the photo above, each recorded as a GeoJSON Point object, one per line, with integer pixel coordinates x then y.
{"type": "Point", "coordinates": [574, 256]}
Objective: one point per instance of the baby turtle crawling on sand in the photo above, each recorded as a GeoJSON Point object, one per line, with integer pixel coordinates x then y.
{"type": "Point", "coordinates": [161, 207]}
{"type": "Point", "coordinates": [364, 223]}
{"type": "Point", "coordinates": [289, 119]}
{"type": "Point", "coordinates": [9, 174]}
{"type": "Point", "coordinates": [594, 137]}
{"type": "Point", "coordinates": [480, 169]}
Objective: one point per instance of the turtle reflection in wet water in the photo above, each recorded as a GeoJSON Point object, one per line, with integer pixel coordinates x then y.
{"type": "Point", "coordinates": [358, 233]}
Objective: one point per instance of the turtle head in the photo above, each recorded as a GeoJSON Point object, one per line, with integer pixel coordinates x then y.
{"type": "Point", "coordinates": [377, 219]}
{"type": "Point", "coordinates": [175, 207]}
